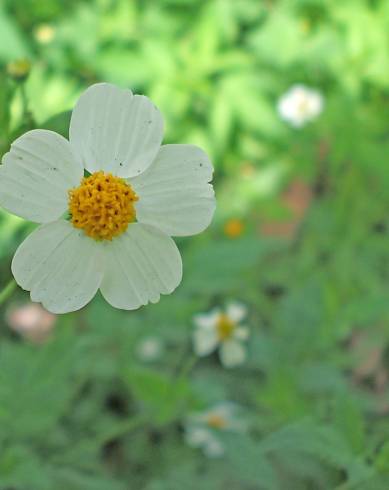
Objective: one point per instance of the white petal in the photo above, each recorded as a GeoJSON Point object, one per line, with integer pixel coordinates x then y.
{"type": "Point", "coordinates": [150, 349]}
{"type": "Point", "coordinates": [213, 448]}
{"type": "Point", "coordinates": [60, 265]}
{"type": "Point", "coordinates": [207, 320]}
{"type": "Point", "coordinates": [232, 353]}
{"type": "Point", "coordinates": [224, 410]}
{"type": "Point", "coordinates": [236, 311]}
{"type": "Point", "coordinates": [36, 175]}
{"type": "Point", "coordinates": [204, 341]}
{"type": "Point", "coordinates": [229, 412]}
{"type": "Point", "coordinates": [174, 193]}
{"type": "Point", "coordinates": [113, 130]}
{"type": "Point", "coordinates": [141, 264]}
{"type": "Point", "coordinates": [196, 436]}
{"type": "Point", "coordinates": [241, 333]}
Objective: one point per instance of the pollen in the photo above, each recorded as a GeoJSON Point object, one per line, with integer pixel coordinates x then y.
{"type": "Point", "coordinates": [216, 421]}
{"type": "Point", "coordinates": [225, 327]}
{"type": "Point", "coordinates": [233, 228]}
{"type": "Point", "coordinates": [103, 206]}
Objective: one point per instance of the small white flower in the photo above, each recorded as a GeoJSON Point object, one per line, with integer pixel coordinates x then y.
{"type": "Point", "coordinates": [149, 349]}
{"type": "Point", "coordinates": [222, 330]}
{"type": "Point", "coordinates": [122, 216]}
{"type": "Point", "coordinates": [300, 105]}
{"type": "Point", "coordinates": [201, 429]}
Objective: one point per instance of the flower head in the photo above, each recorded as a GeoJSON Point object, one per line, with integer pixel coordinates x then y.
{"type": "Point", "coordinates": [44, 33]}
{"type": "Point", "coordinates": [300, 105]}
{"type": "Point", "coordinates": [202, 429]}
{"type": "Point", "coordinates": [110, 229]}
{"type": "Point", "coordinates": [234, 228]}
{"type": "Point", "coordinates": [150, 349]}
{"type": "Point", "coordinates": [19, 69]}
{"type": "Point", "coordinates": [222, 330]}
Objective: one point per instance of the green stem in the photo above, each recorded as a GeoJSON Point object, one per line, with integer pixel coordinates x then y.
{"type": "Point", "coordinates": [7, 291]}
{"type": "Point", "coordinates": [24, 101]}
{"type": "Point", "coordinates": [122, 428]}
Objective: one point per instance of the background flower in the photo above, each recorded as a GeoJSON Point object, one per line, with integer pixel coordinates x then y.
{"type": "Point", "coordinates": [222, 331]}
{"type": "Point", "coordinates": [300, 105]}
{"type": "Point", "coordinates": [201, 429]}
{"type": "Point", "coordinates": [150, 349]}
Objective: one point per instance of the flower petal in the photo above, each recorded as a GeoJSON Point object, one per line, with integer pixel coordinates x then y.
{"type": "Point", "coordinates": [141, 264]}
{"type": "Point", "coordinates": [196, 436]}
{"type": "Point", "coordinates": [207, 320]}
{"type": "Point", "coordinates": [232, 353]}
{"type": "Point", "coordinates": [204, 341]}
{"type": "Point", "coordinates": [174, 193]}
{"type": "Point", "coordinates": [241, 333]}
{"type": "Point", "coordinates": [60, 265]}
{"type": "Point", "coordinates": [113, 130]}
{"type": "Point", "coordinates": [36, 175]}
{"type": "Point", "coordinates": [236, 311]}
{"type": "Point", "coordinates": [213, 448]}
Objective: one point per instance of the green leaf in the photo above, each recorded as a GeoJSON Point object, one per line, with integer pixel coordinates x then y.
{"type": "Point", "coordinates": [350, 423]}
{"type": "Point", "coordinates": [163, 396]}
{"type": "Point", "coordinates": [12, 43]}
{"type": "Point", "coordinates": [59, 123]}
{"type": "Point", "coordinates": [248, 462]}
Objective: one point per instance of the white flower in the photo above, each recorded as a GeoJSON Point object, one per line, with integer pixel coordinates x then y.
{"type": "Point", "coordinates": [116, 136]}
{"type": "Point", "coordinates": [300, 105]}
{"type": "Point", "coordinates": [149, 349]}
{"type": "Point", "coordinates": [222, 330]}
{"type": "Point", "coordinates": [201, 429]}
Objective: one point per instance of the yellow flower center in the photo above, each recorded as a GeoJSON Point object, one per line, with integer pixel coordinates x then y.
{"type": "Point", "coordinates": [225, 326]}
{"type": "Point", "coordinates": [233, 228]}
{"type": "Point", "coordinates": [216, 421]}
{"type": "Point", "coordinates": [303, 107]}
{"type": "Point", "coordinates": [103, 206]}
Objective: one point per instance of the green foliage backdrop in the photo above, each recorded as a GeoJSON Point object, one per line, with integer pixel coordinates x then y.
{"type": "Point", "coordinates": [82, 411]}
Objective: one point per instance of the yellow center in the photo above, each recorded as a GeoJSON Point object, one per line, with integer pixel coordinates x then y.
{"type": "Point", "coordinates": [225, 326]}
{"type": "Point", "coordinates": [303, 107]}
{"type": "Point", "coordinates": [233, 228]}
{"type": "Point", "coordinates": [103, 206]}
{"type": "Point", "coordinates": [216, 421]}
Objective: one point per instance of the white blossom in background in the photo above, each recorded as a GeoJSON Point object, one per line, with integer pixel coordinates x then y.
{"type": "Point", "coordinates": [150, 349]}
{"type": "Point", "coordinates": [31, 321]}
{"type": "Point", "coordinates": [110, 230]}
{"type": "Point", "coordinates": [222, 330]}
{"type": "Point", "coordinates": [299, 105]}
{"type": "Point", "coordinates": [202, 429]}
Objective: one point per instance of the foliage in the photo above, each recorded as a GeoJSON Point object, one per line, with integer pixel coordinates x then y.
{"type": "Point", "coordinates": [83, 411]}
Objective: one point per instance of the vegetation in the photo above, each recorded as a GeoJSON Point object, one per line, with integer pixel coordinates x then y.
{"type": "Point", "coordinates": [300, 238]}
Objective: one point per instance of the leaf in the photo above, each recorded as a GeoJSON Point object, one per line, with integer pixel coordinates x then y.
{"type": "Point", "coordinates": [306, 437]}
{"type": "Point", "coordinates": [218, 266]}
{"type": "Point", "coordinates": [12, 44]}
{"type": "Point", "coordinates": [350, 423]}
{"type": "Point", "coordinates": [20, 468]}
{"type": "Point", "coordinates": [162, 395]}
{"type": "Point", "coordinates": [36, 386]}
{"type": "Point", "coordinates": [59, 123]}
{"type": "Point", "coordinates": [248, 462]}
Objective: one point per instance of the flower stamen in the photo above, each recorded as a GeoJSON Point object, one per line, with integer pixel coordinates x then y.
{"type": "Point", "coordinates": [103, 206]}
{"type": "Point", "coordinates": [216, 421]}
{"type": "Point", "coordinates": [225, 327]}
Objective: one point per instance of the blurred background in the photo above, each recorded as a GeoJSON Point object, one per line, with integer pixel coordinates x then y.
{"type": "Point", "coordinates": [290, 98]}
